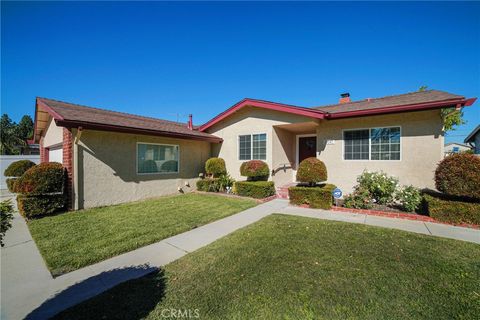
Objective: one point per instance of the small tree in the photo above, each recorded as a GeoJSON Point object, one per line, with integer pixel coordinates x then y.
{"type": "Point", "coordinates": [459, 175]}
{"type": "Point", "coordinates": [255, 170]}
{"type": "Point", "coordinates": [312, 171]}
{"type": "Point", "coordinates": [215, 167]}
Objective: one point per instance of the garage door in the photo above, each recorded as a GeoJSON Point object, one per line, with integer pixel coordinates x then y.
{"type": "Point", "coordinates": [55, 155]}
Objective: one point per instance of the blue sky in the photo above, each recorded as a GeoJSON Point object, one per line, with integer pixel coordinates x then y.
{"type": "Point", "coordinates": [163, 59]}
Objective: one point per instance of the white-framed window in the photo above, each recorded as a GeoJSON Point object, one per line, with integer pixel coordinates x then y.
{"type": "Point", "coordinates": [157, 158]}
{"type": "Point", "coordinates": [372, 144]}
{"type": "Point", "coordinates": [252, 146]}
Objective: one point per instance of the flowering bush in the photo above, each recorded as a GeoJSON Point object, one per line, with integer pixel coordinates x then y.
{"type": "Point", "coordinates": [380, 186]}
{"type": "Point", "coordinates": [360, 198]}
{"type": "Point", "coordinates": [409, 198]}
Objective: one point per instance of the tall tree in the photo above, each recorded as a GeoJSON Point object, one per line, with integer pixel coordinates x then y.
{"type": "Point", "coordinates": [13, 137]}
{"type": "Point", "coordinates": [451, 116]}
{"type": "Point", "coordinates": [25, 128]}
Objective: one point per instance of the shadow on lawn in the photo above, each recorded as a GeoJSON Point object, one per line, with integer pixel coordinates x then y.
{"type": "Point", "coordinates": [137, 291]}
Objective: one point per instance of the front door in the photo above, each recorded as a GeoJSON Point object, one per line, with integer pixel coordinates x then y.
{"type": "Point", "coordinates": [307, 147]}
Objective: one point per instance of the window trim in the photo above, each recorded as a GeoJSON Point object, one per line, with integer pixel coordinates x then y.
{"type": "Point", "coordinates": [251, 146]}
{"type": "Point", "coordinates": [370, 144]}
{"type": "Point", "coordinates": [155, 173]}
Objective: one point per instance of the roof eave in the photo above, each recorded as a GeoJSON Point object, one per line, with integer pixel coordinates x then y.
{"type": "Point", "coordinates": [107, 127]}
{"type": "Point", "coordinates": [312, 113]}
{"type": "Point", "coordinates": [402, 108]}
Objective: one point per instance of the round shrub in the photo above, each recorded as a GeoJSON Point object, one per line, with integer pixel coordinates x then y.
{"type": "Point", "coordinates": [170, 166]}
{"type": "Point", "coordinates": [215, 167]}
{"type": "Point", "coordinates": [17, 168]}
{"type": "Point", "coordinates": [255, 170]}
{"type": "Point", "coordinates": [44, 178]}
{"type": "Point", "coordinates": [311, 171]}
{"type": "Point", "coordinates": [459, 175]}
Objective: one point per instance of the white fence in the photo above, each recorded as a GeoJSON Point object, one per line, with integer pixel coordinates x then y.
{"type": "Point", "coordinates": [6, 160]}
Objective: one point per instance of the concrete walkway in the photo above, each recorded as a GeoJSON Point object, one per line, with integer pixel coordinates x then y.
{"type": "Point", "coordinates": [28, 289]}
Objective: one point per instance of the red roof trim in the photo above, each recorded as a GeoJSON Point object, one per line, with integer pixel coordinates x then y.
{"type": "Point", "coordinates": [401, 108]}
{"type": "Point", "coordinates": [106, 127]}
{"type": "Point", "coordinates": [47, 108]}
{"type": "Point", "coordinates": [318, 114]}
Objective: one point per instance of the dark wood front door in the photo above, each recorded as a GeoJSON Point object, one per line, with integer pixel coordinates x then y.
{"type": "Point", "coordinates": [307, 147]}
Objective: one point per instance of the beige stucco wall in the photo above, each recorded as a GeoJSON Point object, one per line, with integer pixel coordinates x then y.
{"type": "Point", "coordinates": [105, 168]}
{"type": "Point", "coordinates": [421, 148]}
{"type": "Point", "coordinates": [253, 121]}
{"type": "Point", "coordinates": [53, 134]}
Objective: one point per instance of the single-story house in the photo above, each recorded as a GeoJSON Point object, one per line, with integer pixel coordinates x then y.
{"type": "Point", "coordinates": [114, 157]}
{"type": "Point", "coordinates": [455, 147]}
{"type": "Point", "coordinates": [474, 139]}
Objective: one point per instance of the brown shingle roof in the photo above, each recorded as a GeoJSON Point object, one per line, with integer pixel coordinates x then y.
{"type": "Point", "coordinates": [74, 114]}
{"type": "Point", "coordinates": [391, 101]}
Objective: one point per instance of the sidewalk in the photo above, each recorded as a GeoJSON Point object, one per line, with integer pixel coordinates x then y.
{"type": "Point", "coordinates": [29, 289]}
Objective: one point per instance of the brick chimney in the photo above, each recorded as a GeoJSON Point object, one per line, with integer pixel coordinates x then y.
{"type": "Point", "coordinates": [190, 123]}
{"type": "Point", "coordinates": [344, 97]}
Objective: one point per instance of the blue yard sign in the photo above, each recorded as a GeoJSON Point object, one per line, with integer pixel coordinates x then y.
{"type": "Point", "coordinates": [337, 193]}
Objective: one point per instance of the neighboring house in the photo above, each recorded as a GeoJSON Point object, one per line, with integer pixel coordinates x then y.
{"type": "Point", "coordinates": [114, 157]}
{"type": "Point", "coordinates": [474, 139]}
{"type": "Point", "coordinates": [455, 147]}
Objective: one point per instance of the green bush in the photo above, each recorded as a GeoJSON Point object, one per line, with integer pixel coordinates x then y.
{"type": "Point", "coordinates": [225, 181]}
{"type": "Point", "coordinates": [316, 197]}
{"type": "Point", "coordinates": [17, 168]}
{"type": "Point", "coordinates": [409, 198]}
{"type": "Point", "coordinates": [11, 184]}
{"type": "Point", "coordinates": [39, 206]}
{"type": "Point", "coordinates": [208, 185]}
{"type": "Point", "coordinates": [215, 167]}
{"type": "Point", "coordinates": [445, 210]}
{"type": "Point", "coordinates": [459, 175]}
{"type": "Point", "coordinates": [360, 198]}
{"type": "Point", "coordinates": [255, 170]}
{"type": "Point", "coordinates": [44, 178]}
{"type": "Point", "coordinates": [311, 171]}
{"type": "Point", "coordinates": [255, 189]}
{"type": "Point", "coordinates": [6, 217]}
{"type": "Point", "coordinates": [380, 186]}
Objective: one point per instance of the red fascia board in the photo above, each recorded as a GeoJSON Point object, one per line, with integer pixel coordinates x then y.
{"type": "Point", "coordinates": [265, 105]}
{"type": "Point", "coordinates": [106, 127]}
{"type": "Point", "coordinates": [47, 108]}
{"type": "Point", "coordinates": [402, 108]}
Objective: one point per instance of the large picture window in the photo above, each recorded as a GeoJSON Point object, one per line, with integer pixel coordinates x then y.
{"type": "Point", "coordinates": [252, 147]}
{"type": "Point", "coordinates": [372, 144]}
{"type": "Point", "coordinates": [157, 158]}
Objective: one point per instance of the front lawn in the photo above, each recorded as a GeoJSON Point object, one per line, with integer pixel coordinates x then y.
{"type": "Point", "coordinates": [76, 239]}
{"type": "Point", "coordinates": [289, 267]}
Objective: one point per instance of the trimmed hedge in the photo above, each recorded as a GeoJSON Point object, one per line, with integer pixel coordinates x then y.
{"type": "Point", "coordinates": [255, 189]}
{"type": "Point", "coordinates": [215, 167]}
{"type": "Point", "coordinates": [451, 211]}
{"type": "Point", "coordinates": [255, 170]}
{"type": "Point", "coordinates": [44, 178]}
{"type": "Point", "coordinates": [18, 168]}
{"type": "Point", "coordinates": [208, 185]}
{"type": "Point", "coordinates": [38, 206]}
{"type": "Point", "coordinates": [459, 175]}
{"type": "Point", "coordinates": [11, 184]}
{"type": "Point", "coordinates": [316, 197]}
{"type": "Point", "coordinates": [311, 171]}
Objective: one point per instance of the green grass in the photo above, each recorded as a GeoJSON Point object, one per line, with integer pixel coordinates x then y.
{"type": "Point", "coordinates": [287, 267]}
{"type": "Point", "coordinates": [76, 239]}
